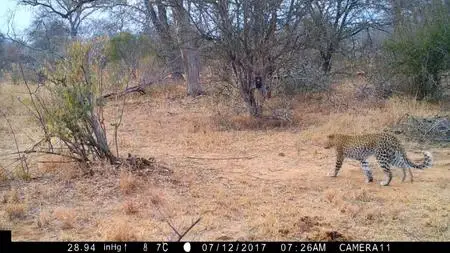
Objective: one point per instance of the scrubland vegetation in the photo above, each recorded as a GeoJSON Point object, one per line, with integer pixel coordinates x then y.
{"type": "Point", "coordinates": [210, 117]}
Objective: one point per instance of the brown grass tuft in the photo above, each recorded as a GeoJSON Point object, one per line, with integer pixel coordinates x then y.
{"type": "Point", "coordinates": [120, 231]}
{"type": "Point", "coordinates": [11, 196]}
{"type": "Point", "coordinates": [66, 216]}
{"type": "Point", "coordinates": [307, 223]}
{"type": "Point", "coordinates": [330, 195]}
{"type": "Point", "coordinates": [362, 195]}
{"type": "Point", "coordinates": [3, 175]}
{"type": "Point", "coordinates": [127, 182]}
{"type": "Point", "coordinates": [129, 207]}
{"type": "Point", "coordinates": [16, 210]}
{"type": "Point", "coordinates": [333, 236]}
{"type": "Point", "coordinates": [373, 214]}
{"type": "Point", "coordinates": [350, 209]}
{"type": "Point", "coordinates": [43, 219]}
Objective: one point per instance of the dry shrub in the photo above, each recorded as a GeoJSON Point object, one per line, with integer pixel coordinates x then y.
{"type": "Point", "coordinates": [129, 207]}
{"type": "Point", "coordinates": [127, 182]}
{"type": "Point", "coordinates": [43, 219]}
{"type": "Point", "coordinates": [66, 216]}
{"type": "Point", "coordinates": [15, 210]}
{"type": "Point", "coordinates": [120, 231]}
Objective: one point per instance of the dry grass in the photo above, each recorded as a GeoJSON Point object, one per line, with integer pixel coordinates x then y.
{"type": "Point", "coordinates": [244, 122]}
{"type": "Point", "coordinates": [66, 217]}
{"type": "Point", "coordinates": [16, 210]}
{"type": "Point", "coordinates": [127, 182]}
{"type": "Point", "coordinates": [43, 219]}
{"type": "Point", "coordinates": [11, 196]}
{"type": "Point", "coordinates": [368, 120]}
{"type": "Point", "coordinates": [130, 207]}
{"type": "Point", "coordinates": [279, 192]}
{"type": "Point", "coordinates": [14, 206]}
{"type": "Point", "coordinates": [3, 174]}
{"type": "Point", "coordinates": [119, 231]}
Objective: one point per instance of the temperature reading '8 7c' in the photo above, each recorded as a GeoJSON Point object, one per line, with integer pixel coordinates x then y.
{"type": "Point", "coordinates": [160, 247]}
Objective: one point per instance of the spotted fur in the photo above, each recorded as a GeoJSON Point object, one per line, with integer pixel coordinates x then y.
{"type": "Point", "coordinates": [385, 147]}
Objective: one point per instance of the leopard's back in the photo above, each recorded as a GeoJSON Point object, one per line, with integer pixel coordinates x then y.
{"type": "Point", "coordinates": [360, 147]}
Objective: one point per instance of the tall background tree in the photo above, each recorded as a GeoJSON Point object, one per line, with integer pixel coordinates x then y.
{"type": "Point", "coordinates": [253, 38]}
{"type": "Point", "coordinates": [74, 12]}
{"type": "Point", "coordinates": [331, 22]}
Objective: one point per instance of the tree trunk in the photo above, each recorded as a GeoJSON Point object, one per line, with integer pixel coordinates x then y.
{"type": "Point", "coordinates": [175, 62]}
{"type": "Point", "coordinates": [191, 61]}
{"type": "Point", "coordinates": [326, 61]}
{"type": "Point", "coordinates": [253, 96]}
{"type": "Point", "coordinates": [186, 36]}
{"type": "Point", "coordinates": [397, 18]}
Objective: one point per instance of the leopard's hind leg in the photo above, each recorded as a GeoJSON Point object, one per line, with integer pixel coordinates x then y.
{"type": "Point", "coordinates": [366, 169]}
{"type": "Point", "coordinates": [384, 159]}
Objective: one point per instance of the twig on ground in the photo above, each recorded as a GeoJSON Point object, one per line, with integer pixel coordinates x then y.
{"type": "Point", "coordinates": [221, 158]}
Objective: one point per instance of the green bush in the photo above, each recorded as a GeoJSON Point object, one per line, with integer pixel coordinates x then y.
{"type": "Point", "coordinates": [73, 114]}
{"type": "Point", "coordinates": [129, 48]}
{"type": "Point", "coordinates": [421, 52]}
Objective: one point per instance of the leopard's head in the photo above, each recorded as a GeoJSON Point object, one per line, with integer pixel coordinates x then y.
{"type": "Point", "coordinates": [330, 142]}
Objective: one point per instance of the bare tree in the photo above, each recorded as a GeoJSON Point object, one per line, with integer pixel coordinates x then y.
{"type": "Point", "coordinates": [177, 36]}
{"type": "Point", "coordinates": [253, 38]}
{"type": "Point", "coordinates": [73, 11]}
{"type": "Point", "coordinates": [330, 22]}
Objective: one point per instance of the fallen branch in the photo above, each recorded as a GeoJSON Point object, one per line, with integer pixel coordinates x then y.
{"type": "Point", "coordinates": [49, 153]}
{"type": "Point", "coordinates": [56, 161]}
{"type": "Point", "coordinates": [139, 88]}
{"type": "Point", "coordinates": [221, 158]}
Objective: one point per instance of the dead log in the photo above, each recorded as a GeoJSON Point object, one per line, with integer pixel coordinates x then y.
{"type": "Point", "coordinates": [139, 88]}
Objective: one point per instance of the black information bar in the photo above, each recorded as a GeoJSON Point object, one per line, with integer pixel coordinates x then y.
{"type": "Point", "coordinates": [6, 246]}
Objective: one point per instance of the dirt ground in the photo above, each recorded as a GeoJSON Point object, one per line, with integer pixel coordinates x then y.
{"type": "Point", "coordinates": [243, 184]}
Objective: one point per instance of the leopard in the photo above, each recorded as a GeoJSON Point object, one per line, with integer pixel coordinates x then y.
{"type": "Point", "coordinates": [386, 148]}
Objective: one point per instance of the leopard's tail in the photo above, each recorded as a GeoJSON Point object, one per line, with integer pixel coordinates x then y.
{"type": "Point", "coordinates": [427, 162]}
